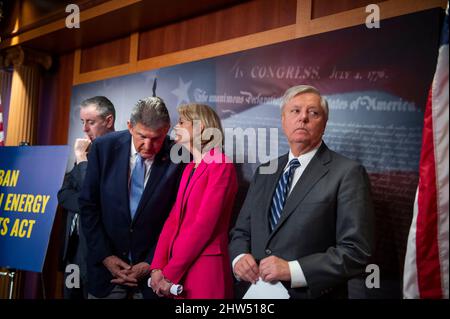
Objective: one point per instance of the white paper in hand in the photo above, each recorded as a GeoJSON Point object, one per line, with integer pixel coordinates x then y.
{"type": "Point", "coordinates": [266, 290]}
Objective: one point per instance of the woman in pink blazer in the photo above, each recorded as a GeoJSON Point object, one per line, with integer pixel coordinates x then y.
{"type": "Point", "coordinates": [192, 248]}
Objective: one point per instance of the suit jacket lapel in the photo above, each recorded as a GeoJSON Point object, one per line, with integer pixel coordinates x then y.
{"type": "Point", "coordinates": [158, 170]}
{"type": "Point", "coordinates": [122, 150]}
{"type": "Point", "coordinates": [186, 190]}
{"type": "Point", "coordinates": [270, 186]}
{"type": "Point", "coordinates": [198, 172]}
{"type": "Point", "coordinates": [313, 173]}
{"type": "Point", "coordinates": [182, 189]}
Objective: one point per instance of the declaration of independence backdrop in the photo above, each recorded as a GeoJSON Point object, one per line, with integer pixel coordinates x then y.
{"type": "Point", "coordinates": [376, 82]}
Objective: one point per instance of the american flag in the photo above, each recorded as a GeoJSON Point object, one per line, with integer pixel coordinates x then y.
{"type": "Point", "coordinates": [426, 261]}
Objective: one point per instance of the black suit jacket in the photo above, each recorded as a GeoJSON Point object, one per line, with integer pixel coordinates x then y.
{"type": "Point", "coordinates": [105, 213]}
{"type": "Point", "coordinates": [68, 198]}
{"type": "Point", "coordinates": [326, 223]}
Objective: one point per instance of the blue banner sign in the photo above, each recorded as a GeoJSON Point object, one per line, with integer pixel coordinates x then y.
{"type": "Point", "coordinates": [30, 177]}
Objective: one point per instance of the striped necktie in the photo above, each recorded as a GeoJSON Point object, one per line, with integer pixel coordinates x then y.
{"type": "Point", "coordinates": [281, 192]}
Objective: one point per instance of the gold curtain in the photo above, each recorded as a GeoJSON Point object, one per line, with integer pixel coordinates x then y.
{"type": "Point", "coordinates": [25, 84]}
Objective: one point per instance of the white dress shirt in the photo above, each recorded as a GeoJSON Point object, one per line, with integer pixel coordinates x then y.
{"type": "Point", "coordinates": [297, 277]}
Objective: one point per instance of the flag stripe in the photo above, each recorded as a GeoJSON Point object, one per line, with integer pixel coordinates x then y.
{"type": "Point", "coordinates": [427, 251]}
{"type": "Point", "coordinates": [427, 255]}
{"type": "Point", "coordinates": [410, 286]}
{"type": "Point", "coordinates": [441, 142]}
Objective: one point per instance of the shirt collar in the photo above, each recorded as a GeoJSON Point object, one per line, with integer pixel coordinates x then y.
{"type": "Point", "coordinates": [133, 149]}
{"type": "Point", "coordinates": [304, 159]}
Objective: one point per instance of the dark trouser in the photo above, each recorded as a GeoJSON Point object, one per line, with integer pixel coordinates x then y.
{"type": "Point", "coordinates": [121, 292]}
{"type": "Point", "coordinates": [75, 257]}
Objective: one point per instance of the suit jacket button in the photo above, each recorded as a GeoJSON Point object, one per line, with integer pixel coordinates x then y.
{"type": "Point", "coordinates": [268, 252]}
{"type": "Point", "coordinates": [124, 253]}
{"type": "Point", "coordinates": [131, 230]}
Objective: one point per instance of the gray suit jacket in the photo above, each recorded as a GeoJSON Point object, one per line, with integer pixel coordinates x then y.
{"type": "Point", "coordinates": [68, 198]}
{"type": "Point", "coordinates": [326, 224]}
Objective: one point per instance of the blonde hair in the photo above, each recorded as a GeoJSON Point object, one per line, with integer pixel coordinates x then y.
{"type": "Point", "coordinates": [209, 119]}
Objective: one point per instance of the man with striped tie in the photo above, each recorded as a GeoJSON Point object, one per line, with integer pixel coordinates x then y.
{"type": "Point", "coordinates": [310, 224]}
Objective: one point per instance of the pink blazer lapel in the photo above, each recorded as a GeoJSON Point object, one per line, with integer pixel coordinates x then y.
{"type": "Point", "coordinates": [198, 172]}
{"type": "Point", "coordinates": [185, 191]}
{"type": "Point", "coordinates": [187, 185]}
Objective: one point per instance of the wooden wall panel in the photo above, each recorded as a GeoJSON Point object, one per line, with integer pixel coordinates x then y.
{"type": "Point", "coordinates": [53, 129]}
{"type": "Point", "coordinates": [241, 27]}
{"type": "Point", "coordinates": [105, 55]}
{"type": "Point", "coordinates": [321, 8]}
{"type": "Point", "coordinates": [20, 16]}
{"type": "Point", "coordinates": [54, 106]}
{"type": "Point", "coordinates": [240, 20]}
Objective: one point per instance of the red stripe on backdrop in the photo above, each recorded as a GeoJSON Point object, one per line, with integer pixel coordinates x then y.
{"type": "Point", "coordinates": [427, 251]}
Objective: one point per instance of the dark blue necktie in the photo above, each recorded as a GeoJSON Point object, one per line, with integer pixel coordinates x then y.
{"type": "Point", "coordinates": [136, 184]}
{"type": "Point", "coordinates": [281, 192]}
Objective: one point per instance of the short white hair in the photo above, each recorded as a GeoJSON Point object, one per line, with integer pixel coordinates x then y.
{"type": "Point", "coordinates": [302, 89]}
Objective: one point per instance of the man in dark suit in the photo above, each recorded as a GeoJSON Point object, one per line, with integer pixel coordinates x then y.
{"type": "Point", "coordinates": [97, 116]}
{"type": "Point", "coordinates": [129, 189]}
{"type": "Point", "coordinates": [308, 225]}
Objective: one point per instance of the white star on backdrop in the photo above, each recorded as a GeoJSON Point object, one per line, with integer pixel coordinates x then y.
{"type": "Point", "coordinates": [181, 92]}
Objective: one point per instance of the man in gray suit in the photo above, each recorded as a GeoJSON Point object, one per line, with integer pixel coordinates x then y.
{"type": "Point", "coordinates": [310, 224]}
{"type": "Point", "coordinates": [97, 115]}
